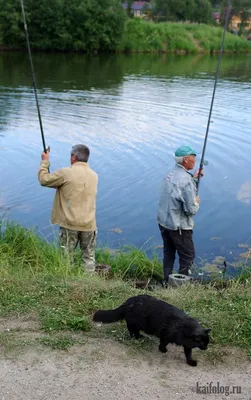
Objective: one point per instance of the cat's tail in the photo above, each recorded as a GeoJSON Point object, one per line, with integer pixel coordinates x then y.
{"type": "Point", "coordinates": [108, 316]}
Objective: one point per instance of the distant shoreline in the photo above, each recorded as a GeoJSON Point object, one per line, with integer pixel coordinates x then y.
{"type": "Point", "coordinates": [175, 52]}
{"type": "Point", "coordinates": [142, 37]}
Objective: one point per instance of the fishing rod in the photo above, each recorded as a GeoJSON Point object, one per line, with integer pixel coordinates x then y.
{"type": "Point", "coordinates": [202, 162]}
{"type": "Point", "coordinates": [33, 77]}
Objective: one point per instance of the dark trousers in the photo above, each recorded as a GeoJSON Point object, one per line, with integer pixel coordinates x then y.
{"type": "Point", "coordinates": [182, 242]}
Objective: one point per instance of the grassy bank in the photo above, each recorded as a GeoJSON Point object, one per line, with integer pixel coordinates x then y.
{"type": "Point", "coordinates": [37, 280]}
{"type": "Point", "coordinates": [142, 36]}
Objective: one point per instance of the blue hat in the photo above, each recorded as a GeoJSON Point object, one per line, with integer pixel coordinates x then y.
{"type": "Point", "coordinates": [183, 151]}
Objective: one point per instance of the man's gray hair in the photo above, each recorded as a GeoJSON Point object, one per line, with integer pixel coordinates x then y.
{"type": "Point", "coordinates": [179, 160]}
{"type": "Point", "coordinates": [81, 152]}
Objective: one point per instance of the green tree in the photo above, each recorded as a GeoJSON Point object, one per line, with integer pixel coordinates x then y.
{"type": "Point", "coordinates": [88, 25]}
{"type": "Point", "coordinates": [173, 10]}
{"type": "Point", "coordinates": [11, 32]}
{"type": "Point", "coordinates": [215, 3]}
{"type": "Point", "coordinates": [203, 12]}
{"type": "Point", "coordinates": [129, 10]}
{"type": "Point", "coordinates": [45, 23]}
{"type": "Point", "coordinates": [181, 10]}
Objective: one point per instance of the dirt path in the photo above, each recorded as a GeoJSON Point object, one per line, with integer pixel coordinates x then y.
{"type": "Point", "coordinates": [108, 370]}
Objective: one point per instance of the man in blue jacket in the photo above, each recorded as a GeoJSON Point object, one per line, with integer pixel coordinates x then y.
{"type": "Point", "coordinates": [177, 205]}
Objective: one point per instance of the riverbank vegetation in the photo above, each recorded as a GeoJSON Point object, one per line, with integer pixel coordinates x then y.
{"type": "Point", "coordinates": [37, 281]}
{"type": "Point", "coordinates": [142, 36]}
{"type": "Point", "coordinates": [103, 26]}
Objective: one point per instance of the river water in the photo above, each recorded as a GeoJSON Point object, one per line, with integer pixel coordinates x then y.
{"type": "Point", "coordinates": [132, 111]}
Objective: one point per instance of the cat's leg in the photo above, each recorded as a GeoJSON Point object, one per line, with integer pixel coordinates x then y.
{"type": "Point", "coordinates": [162, 347]}
{"type": "Point", "coordinates": [188, 354]}
{"type": "Point", "coordinates": [138, 335]}
{"type": "Point", "coordinates": [134, 331]}
{"type": "Point", "coordinates": [163, 343]}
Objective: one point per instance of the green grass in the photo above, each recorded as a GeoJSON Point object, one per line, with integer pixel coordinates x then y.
{"type": "Point", "coordinates": [131, 263]}
{"type": "Point", "coordinates": [37, 279]}
{"type": "Point", "coordinates": [60, 343]}
{"type": "Point", "coordinates": [149, 37]}
{"type": "Point", "coordinates": [36, 257]}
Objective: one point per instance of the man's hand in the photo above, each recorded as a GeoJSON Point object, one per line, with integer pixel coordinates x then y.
{"type": "Point", "coordinates": [196, 174]}
{"type": "Point", "coordinates": [198, 199]}
{"type": "Point", "coordinates": [46, 156]}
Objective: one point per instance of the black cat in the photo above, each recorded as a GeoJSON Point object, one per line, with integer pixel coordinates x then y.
{"type": "Point", "coordinates": [156, 317]}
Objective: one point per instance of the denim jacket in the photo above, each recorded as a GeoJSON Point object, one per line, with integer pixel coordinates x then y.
{"type": "Point", "coordinates": [177, 203]}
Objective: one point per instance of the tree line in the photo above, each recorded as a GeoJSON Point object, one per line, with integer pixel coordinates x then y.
{"type": "Point", "coordinates": [175, 10]}
{"type": "Point", "coordinates": [94, 25]}
{"type": "Point", "coordinates": [80, 25]}
{"type": "Point", "coordinates": [195, 10]}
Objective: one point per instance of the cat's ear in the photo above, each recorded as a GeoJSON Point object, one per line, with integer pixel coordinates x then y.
{"type": "Point", "coordinates": [208, 330]}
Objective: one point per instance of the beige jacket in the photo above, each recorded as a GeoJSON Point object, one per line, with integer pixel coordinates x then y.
{"type": "Point", "coordinates": [75, 199]}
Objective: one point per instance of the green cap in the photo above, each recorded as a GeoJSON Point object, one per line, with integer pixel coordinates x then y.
{"type": "Point", "coordinates": [183, 151]}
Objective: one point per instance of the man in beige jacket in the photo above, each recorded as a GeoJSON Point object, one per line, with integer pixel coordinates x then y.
{"type": "Point", "coordinates": [74, 208]}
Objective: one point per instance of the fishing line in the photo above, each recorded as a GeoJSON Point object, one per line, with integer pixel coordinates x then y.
{"type": "Point", "coordinates": [33, 77]}
{"type": "Point", "coordinates": [212, 102]}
